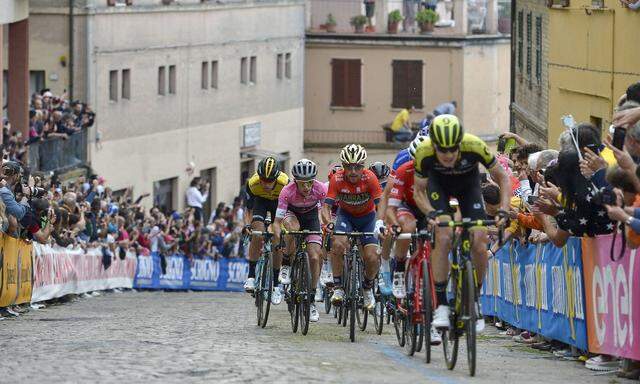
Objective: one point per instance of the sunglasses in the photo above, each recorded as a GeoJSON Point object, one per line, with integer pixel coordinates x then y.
{"type": "Point", "coordinates": [305, 183]}
{"type": "Point", "coordinates": [447, 150]}
{"type": "Point", "coordinates": [353, 167]}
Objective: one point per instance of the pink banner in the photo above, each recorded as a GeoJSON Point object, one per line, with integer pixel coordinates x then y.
{"type": "Point", "coordinates": [612, 291]}
{"type": "Point", "coordinates": [60, 271]}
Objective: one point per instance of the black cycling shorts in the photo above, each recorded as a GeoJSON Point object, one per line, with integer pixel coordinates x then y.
{"type": "Point", "coordinates": [309, 221]}
{"type": "Point", "coordinates": [465, 188]}
{"type": "Point", "coordinates": [261, 207]}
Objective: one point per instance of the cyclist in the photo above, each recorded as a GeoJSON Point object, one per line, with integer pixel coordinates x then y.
{"type": "Point", "coordinates": [382, 171]}
{"type": "Point", "coordinates": [356, 191]}
{"type": "Point", "coordinates": [446, 165]}
{"type": "Point", "coordinates": [262, 191]}
{"type": "Point", "coordinates": [298, 210]}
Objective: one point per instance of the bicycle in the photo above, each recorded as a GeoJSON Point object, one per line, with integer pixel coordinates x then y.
{"type": "Point", "coordinates": [354, 291]}
{"type": "Point", "coordinates": [416, 309]}
{"type": "Point", "coordinates": [298, 294]}
{"type": "Point", "coordinates": [464, 305]}
{"type": "Point", "coordinates": [264, 276]}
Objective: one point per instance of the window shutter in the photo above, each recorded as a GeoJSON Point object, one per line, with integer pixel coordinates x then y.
{"type": "Point", "coordinates": [414, 84]}
{"type": "Point", "coordinates": [346, 77]}
{"type": "Point", "coordinates": [353, 84]}
{"type": "Point", "coordinates": [338, 79]}
{"type": "Point", "coordinates": [407, 84]}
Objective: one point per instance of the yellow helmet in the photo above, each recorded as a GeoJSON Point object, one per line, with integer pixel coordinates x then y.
{"type": "Point", "coordinates": [446, 131]}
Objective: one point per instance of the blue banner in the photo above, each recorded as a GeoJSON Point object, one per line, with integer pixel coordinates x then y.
{"type": "Point", "coordinates": [199, 274]}
{"type": "Point", "coordinates": [538, 288]}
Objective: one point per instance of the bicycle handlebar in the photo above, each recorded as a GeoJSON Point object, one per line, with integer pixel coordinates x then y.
{"type": "Point", "coordinates": [305, 232]}
{"type": "Point", "coordinates": [261, 233]}
{"type": "Point", "coordinates": [467, 223]}
{"type": "Point", "coordinates": [424, 235]}
{"type": "Point", "coordinates": [354, 234]}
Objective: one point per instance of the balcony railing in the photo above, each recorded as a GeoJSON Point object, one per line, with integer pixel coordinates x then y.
{"type": "Point", "coordinates": [456, 17]}
{"type": "Point", "coordinates": [57, 154]}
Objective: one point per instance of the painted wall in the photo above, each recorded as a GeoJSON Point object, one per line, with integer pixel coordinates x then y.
{"type": "Point", "coordinates": [588, 79]}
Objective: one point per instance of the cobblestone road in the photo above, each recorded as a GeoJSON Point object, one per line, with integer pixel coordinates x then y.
{"type": "Point", "coordinates": [211, 337]}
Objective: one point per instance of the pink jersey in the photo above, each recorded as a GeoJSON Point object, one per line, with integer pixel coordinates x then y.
{"type": "Point", "coordinates": [291, 200]}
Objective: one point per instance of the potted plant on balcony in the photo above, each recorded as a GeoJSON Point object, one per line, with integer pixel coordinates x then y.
{"type": "Point", "coordinates": [358, 23]}
{"type": "Point", "coordinates": [331, 23]}
{"type": "Point", "coordinates": [427, 18]}
{"type": "Point", "coordinates": [395, 17]}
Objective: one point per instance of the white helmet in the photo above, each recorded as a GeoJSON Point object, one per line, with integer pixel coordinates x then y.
{"type": "Point", "coordinates": [353, 154]}
{"type": "Point", "coordinates": [304, 170]}
{"type": "Point", "coordinates": [414, 145]}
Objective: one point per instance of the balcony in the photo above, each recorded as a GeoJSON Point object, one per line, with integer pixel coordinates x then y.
{"type": "Point", "coordinates": [456, 17]}
{"type": "Point", "coordinates": [331, 138]}
{"type": "Point", "coordinates": [59, 155]}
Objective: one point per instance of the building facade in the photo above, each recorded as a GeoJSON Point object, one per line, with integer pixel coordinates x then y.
{"type": "Point", "coordinates": [588, 79]}
{"type": "Point", "coordinates": [355, 83]}
{"type": "Point", "coordinates": [180, 88]}
{"type": "Point", "coordinates": [530, 50]}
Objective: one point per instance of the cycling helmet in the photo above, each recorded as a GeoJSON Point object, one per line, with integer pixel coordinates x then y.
{"type": "Point", "coordinates": [353, 154]}
{"type": "Point", "coordinates": [304, 170]}
{"type": "Point", "coordinates": [446, 131]}
{"type": "Point", "coordinates": [413, 147]}
{"type": "Point", "coordinates": [380, 169]}
{"type": "Point", "coordinates": [268, 168]}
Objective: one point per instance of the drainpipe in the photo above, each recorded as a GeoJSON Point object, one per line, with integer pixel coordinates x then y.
{"type": "Point", "coordinates": [512, 99]}
{"type": "Point", "coordinates": [71, 24]}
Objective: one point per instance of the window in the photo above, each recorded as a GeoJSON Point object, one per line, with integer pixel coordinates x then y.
{"type": "Point", "coordinates": [214, 74]}
{"type": "Point", "coordinates": [287, 66]}
{"type": "Point", "coordinates": [539, 50]}
{"type": "Point", "coordinates": [253, 71]}
{"type": "Point", "coordinates": [119, 3]}
{"type": "Point", "coordinates": [36, 82]}
{"type": "Point", "coordinates": [346, 83]}
{"type": "Point", "coordinates": [162, 81]}
{"type": "Point", "coordinates": [163, 194]}
{"type": "Point", "coordinates": [279, 65]}
{"type": "Point", "coordinates": [529, 46]}
{"type": "Point", "coordinates": [244, 70]}
{"type": "Point", "coordinates": [172, 79]}
{"type": "Point", "coordinates": [126, 84]}
{"type": "Point", "coordinates": [113, 85]}
{"type": "Point", "coordinates": [204, 83]}
{"type": "Point", "coordinates": [520, 37]}
{"type": "Point", "coordinates": [407, 84]}
{"type": "Point", "coordinates": [210, 175]}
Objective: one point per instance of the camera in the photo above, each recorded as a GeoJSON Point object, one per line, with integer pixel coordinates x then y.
{"type": "Point", "coordinates": [505, 145]}
{"type": "Point", "coordinates": [604, 197]}
{"type": "Point", "coordinates": [531, 200]}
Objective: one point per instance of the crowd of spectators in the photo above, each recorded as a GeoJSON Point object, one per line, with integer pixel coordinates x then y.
{"type": "Point", "coordinates": [591, 186]}
{"type": "Point", "coordinates": [50, 117]}
{"type": "Point", "coordinates": [87, 213]}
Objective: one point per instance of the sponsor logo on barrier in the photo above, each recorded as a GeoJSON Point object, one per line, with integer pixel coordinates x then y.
{"type": "Point", "coordinates": [175, 268]}
{"type": "Point", "coordinates": [612, 295]}
{"type": "Point", "coordinates": [612, 307]}
{"type": "Point", "coordinates": [145, 267]}
{"type": "Point", "coordinates": [205, 270]}
{"type": "Point", "coordinates": [238, 272]}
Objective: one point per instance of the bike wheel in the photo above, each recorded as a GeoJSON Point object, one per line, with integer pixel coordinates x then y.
{"type": "Point", "coordinates": [353, 298]}
{"type": "Point", "coordinates": [420, 338]}
{"type": "Point", "coordinates": [327, 299]}
{"type": "Point", "coordinates": [398, 325]}
{"type": "Point", "coordinates": [378, 313]}
{"type": "Point", "coordinates": [295, 313]}
{"type": "Point", "coordinates": [469, 303]}
{"type": "Point", "coordinates": [256, 291]}
{"type": "Point", "coordinates": [450, 336]}
{"type": "Point", "coordinates": [305, 294]}
{"type": "Point", "coordinates": [266, 289]}
{"type": "Point", "coordinates": [347, 281]}
{"type": "Point", "coordinates": [363, 313]}
{"type": "Point", "coordinates": [409, 326]}
{"type": "Point", "coordinates": [427, 307]}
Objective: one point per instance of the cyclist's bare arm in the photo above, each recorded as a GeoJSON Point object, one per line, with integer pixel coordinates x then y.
{"type": "Point", "coordinates": [325, 213]}
{"type": "Point", "coordinates": [277, 230]}
{"type": "Point", "coordinates": [420, 194]}
{"type": "Point", "coordinates": [391, 215]}
{"type": "Point", "coordinates": [384, 200]}
{"type": "Point", "coordinates": [499, 175]}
